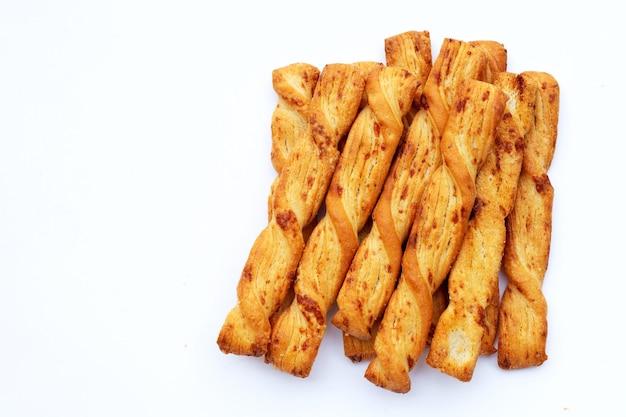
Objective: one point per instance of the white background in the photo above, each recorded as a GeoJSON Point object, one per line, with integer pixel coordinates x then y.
{"type": "Point", "coordinates": [134, 173]}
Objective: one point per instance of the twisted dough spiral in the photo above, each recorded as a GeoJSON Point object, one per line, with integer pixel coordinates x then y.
{"type": "Point", "coordinates": [523, 327]}
{"type": "Point", "coordinates": [437, 233]}
{"type": "Point", "coordinates": [473, 280]}
{"type": "Point", "coordinates": [296, 197]}
{"type": "Point", "coordinates": [354, 189]}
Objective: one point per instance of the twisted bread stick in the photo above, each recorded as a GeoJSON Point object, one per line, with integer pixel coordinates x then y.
{"type": "Point", "coordinates": [297, 196]}
{"type": "Point", "coordinates": [294, 84]}
{"type": "Point", "coordinates": [473, 279]}
{"type": "Point", "coordinates": [356, 184]}
{"type": "Point", "coordinates": [523, 312]}
{"type": "Point", "coordinates": [372, 274]}
{"type": "Point", "coordinates": [496, 63]}
{"type": "Point", "coordinates": [497, 57]}
{"type": "Point", "coordinates": [376, 264]}
{"type": "Point", "coordinates": [436, 234]}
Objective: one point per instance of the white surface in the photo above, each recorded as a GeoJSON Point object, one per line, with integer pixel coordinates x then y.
{"type": "Point", "coordinates": [134, 171]}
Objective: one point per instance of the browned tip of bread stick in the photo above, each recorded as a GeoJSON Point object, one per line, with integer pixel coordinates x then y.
{"type": "Point", "coordinates": [358, 350]}
{"type": "Point", "coordinates": [456, 61]}
{"type": "Point", "coordinates": [297, 195]}
{"type": "Point", "coordinates": [412, 51]}
{"type": "Point", "coordinates": [437, 234]}
{"type": "Point", "coordinates": [539, 152]}
{"type": "Point", "coordinates": [294, 84]}
{"type": "Point", "coordinates": [367, 67]}
{"type": "Point", "coordinates": [497, 57]}
{"type": "Point", "coordinates": [523, 327]}
{"type": "Point", "coordinates": [473, 280]}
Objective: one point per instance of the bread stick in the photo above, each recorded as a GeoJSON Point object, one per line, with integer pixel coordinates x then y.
{"type": "Point", "coordinates": [441, 300]}
{"type": "Point", "coordinates": [523, 327]}
{"type": "Point", "coordinates": [358, 350]}
{"type": "Point", "coordinates": [497, 57]}
{"type": "Point", "coordinates": [473, 279]}
{"type": "Point", "coordinates": [376, 264]}
{"type": "Point", "coordinates": [298, 193]}
{"type": "Point", "coordinates": [354, 189]}
{"type": "Point", "coordinates": [436, 234]}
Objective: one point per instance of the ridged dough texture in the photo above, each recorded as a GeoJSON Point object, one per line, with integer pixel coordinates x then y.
{"type": "Point", "coordinates": [354, 189]}
{"type": "Point", "coordinates": [296, 197]}
{"type": "Point", "coordinates": [376, 264]}
{"type": "Point", "coordinates": [437, 233]}
{"type": "Point", "coordinates": [523, 326]}
{"type": "Point", "coordinates": [467, 327]}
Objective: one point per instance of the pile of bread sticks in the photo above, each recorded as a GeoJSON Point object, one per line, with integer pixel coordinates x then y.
{"type": "Point", "coordinates": [403, 189]}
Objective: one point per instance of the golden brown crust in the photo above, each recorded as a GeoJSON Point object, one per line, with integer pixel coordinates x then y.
{"type": "Point", "coordinates": [294, 84]}
{"type": "Point", "coordinates": [296, 197]}
{"type": "Point", "coordinates": [436, 234]}
{"type": "Point", "coordinates": [354, 189]}
{"type": "Point", "coordinates": [473, 280]}
{"type": "Point", "coordinates": [523, 324]}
